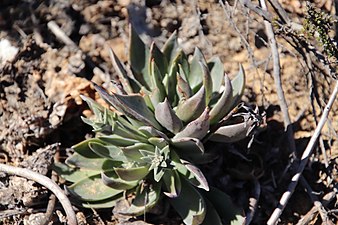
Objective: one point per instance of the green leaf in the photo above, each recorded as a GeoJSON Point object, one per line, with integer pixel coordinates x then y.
{"type": "Point", "coordinates": [129, 126]}
{"type": "Point", "coordinates": [108, 151]}
{"type": "Point", "coordinates": [224, 206]}
{"type": "Point", "coordinates": [232, 133]}
{"type": "Point", "coordinates": [221, 108]}
{"type": "Point", "coordinates": [158, 92]}
{"type": "Point", "coordinates": [83, 149]}
{"type": "Point", "coordinates": [170, 47]}
{"type": "Point", "coordinates": [195, 77]}
{"type": "Point", "coordinates": [131, 174]}
{"type": "Point", "coordinates": [238, 85]}
{"type": "Point", "coordinates": [207, 82]}
{"type": "Point", "coordinates": [145, 199]}
{"type": "Point", "coordinates": [217, 73]}
{"type": "Point", "coordinates": [159, 142]}
{"type": "Point", "coordinates": [92, 189]}
{"type": "Point", "coordinates": [190, 204]}
{"type": "Point", "coordinates": [111, 179]}
{"type": "Point", "coordinates": [183, 89]}
{"type": "Point", "coordinates": [149, 131]}
{"type": "Point", "coordinates": [133, 152]}
{"type": "Point", "coordinates": [187, 144]}
{"type": "Point", "coordinates": [103, 204]}
{"type": "Point", "coordinates": [117, 140]}
{"type": "Point", "coordinates": [193, 107]}
{"type": "Point", "coordinates": [72, 174]}
{"type": "Point", "coordinates": [211, 216]}
{"type": "Point", "coordinates": [132, 106]}
{"type": "Point", "coordinates": [172, 182]}
{"type": "Point", "coordinates": [79, 161]}
{"type": "Point", "coordinates": [95, 107]}
{"type": "Point", "coordinates": [121, 72]}
{"type": "Point", "coordinates": [197, 128]}
{"type": "Point", "coordinates": [191, 149]}
{"type": "Point", "coordinates": [167, 117]}
{"type": "Point", "coordinates": [192, 174]}
{"type": "Point", "coordinates": [160, 60]}
{"type": "Point", "coordinates": [139, 58]}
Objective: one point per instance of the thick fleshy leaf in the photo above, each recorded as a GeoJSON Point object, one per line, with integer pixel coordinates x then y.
{"type": "Point", "coordinates": [133, 152]}
{"type": "Point", "coordinates": [121, 72]}
{"type": "Point", "coordinates": [111, 179]}
{"type": "Point", "coordinates": [170, 47]}
{"type": "Point", "coordinates": [146, 94]}
{"type": "Point", "coordinates": [183, 89]}
{"type": "Point", "coordinates": [224, 206]}
{"type": "Point", "coordinates": [139, 58]}
{"type": "Point", "coordinates": [238, 85]}
{"type": "Point", "coordinates": [170, 81]}
{"type": "Point", "coordinates": [83, 149]}
{"type": "Point", "coordinates": [197, 128]}
{"type": "Point", "coordinates": [172, 182]}
{"type": "Point", "coordinates": [157, 141]}
{"type": "Point", "coordinates": [167, 117]}
{"type": "Point", "coordinates": [131, 174]}
{"type": "Point", "coordinates": [149, 132]}
{"type": "Point", "coordinates": [190, 204]}
{"type": "Point", "coordinates": [193, 107]}
{"type": "Point", "coordinates": [127, 132]}
{"type": "Point", "coordinates": [192, 150]}
{"type": "Point", "coordinates": [195, 77]}
{"type": "Point", "coordinates": [160, 60]}
{"type": "Point", "coordinates": [211, 216]}
{"type": "Point", "coordinates": [117, 140]}
{"type": "Point", "coordinates": [232, 133]}
{"type": "Point", "coordinates": [92, 189]}
{"type": "Point", "coordinates": [145, 199]}
{"type": "Point", "coordinates": [207, 82]}
{"type": "Point", "coordinates": [72, 174]}
{"type": "Point", "coordinates": [132, 106]}
{"type": "Point", "coordinates": [128, 125]}
{"type": "Point", "coordinates": [217, 73]}
{"type": "Point", "coordinates": [192, 174]}
{"type": "Point", "coordinates": [221, 108]}
{"type": "Point", "coordinates": [95, 107]}
{"type": "Point", "coordinates": [188, 145]}
{"type": "Point", "coordinates": [79, 161]}
{"type": "Point", "coordinates": [108, 151]}
{"type": "Point", "coordinates": [158, 92]}
{"type": "Point", "coordinates": [103, 204]}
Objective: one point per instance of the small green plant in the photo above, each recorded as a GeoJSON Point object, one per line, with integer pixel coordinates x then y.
{"type": "Point", "coordinates": [163, 113]}
{"type": "Point", "coordinates": [317, 21]}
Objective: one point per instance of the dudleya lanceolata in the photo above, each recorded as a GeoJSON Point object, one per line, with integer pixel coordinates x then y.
{"type": "Point", "coordinates": [164, 110]}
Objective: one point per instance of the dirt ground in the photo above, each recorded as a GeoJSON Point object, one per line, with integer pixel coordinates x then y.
{"type": "Point", "coordinates": [40, 107]}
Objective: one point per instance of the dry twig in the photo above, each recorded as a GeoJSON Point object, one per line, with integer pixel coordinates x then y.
{"type": "Point", "coordinates": [48, 183]}
{"type": "Point", "coordinates": [305, 157]}
{"type": "Point", "coordinates": [278, 81]}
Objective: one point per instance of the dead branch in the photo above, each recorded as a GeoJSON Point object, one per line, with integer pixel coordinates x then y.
{"type": "Point", "coordinates": [304, 160]}
{"type": "Point", "coordinates": [278, 81]}
{"type": "Point", "coordinates": [48, 183]}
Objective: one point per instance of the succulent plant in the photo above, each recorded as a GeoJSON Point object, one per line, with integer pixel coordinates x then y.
{"type": "Point", "coordinates": [163, 111]}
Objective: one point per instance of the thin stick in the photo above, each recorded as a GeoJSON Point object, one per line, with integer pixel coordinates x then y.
{"type": "Point", "coordinates": [278, 81]}
{"type": "Point", "coordinates": [48, 183]}
{"type": "Point", "coordinates": [280, 11]}
{"type": "Point", "coordinates": [305, 157]}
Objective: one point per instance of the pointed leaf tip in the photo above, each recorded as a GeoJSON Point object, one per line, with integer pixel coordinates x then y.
{"type": "Point", "coordinates": [167, 117]}
{"type": "Point", "coordinates": [197, 128]}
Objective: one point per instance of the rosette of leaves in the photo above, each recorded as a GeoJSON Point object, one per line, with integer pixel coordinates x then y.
{"type": "Point", "coordinates": [163, 110]}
